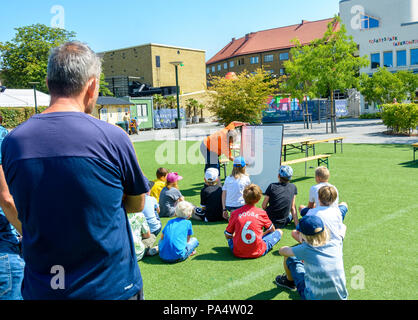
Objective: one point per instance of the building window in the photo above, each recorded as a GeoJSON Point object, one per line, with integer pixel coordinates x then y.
{"type": "Point", "coordinates": [231, 64]}
{"type": "Point", "coordinates": [241, 61]}
{"type": "Point", "coordinates": [226, 65]}
{"type": "Point", "coordinates": [401, 58]}
{"type": "Point", "coordinates": [213, 68]}
{"type": "Point", "coordinates": [282, 71]}
{"type": "Point", "coordinates": [268, 58]}
{"type": "Point", "coordinates": [414, 56]}
{"type": "Point", "coordinates": [388, 59]}
{"type": "Point", "coordinates": [375, 60]}
{"type": "Point", "coordinates": [157, 61]}
{"type": "Point", "coordinates": [207, 70]}
{"type": "Point", "coordinates": [254, 60]}
{"type": "Point", "coordinates": [219, 67]}
{"type": "Point", "coordinates": [284, 56]}
{"type": "Point", "coordinates": [368, 22]}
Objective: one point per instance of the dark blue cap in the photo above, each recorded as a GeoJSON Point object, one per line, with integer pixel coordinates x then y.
{"type": "Point", "coordinates": [310, 225]}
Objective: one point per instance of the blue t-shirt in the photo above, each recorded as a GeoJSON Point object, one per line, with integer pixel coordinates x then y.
{"type": "Point", "coordinates": [174, 242]}
{"type": "Point", "coordinates": [324, 271]}
{"type": "Point", "coordinates": [150, 213]}
{"type": "Point", "coordinates": [68, 172]}
{"type": "Point", "coordinates": [8, 234]}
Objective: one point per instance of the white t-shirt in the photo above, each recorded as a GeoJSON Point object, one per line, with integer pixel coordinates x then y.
{"type": "Point", "coordinates": [313, 193]}
{"type": "Point", "coordinates": [332, 218]}
{"type": "Point", "coordinates": [234, 190]}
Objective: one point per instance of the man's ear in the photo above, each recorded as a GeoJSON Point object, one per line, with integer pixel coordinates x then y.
{"type": "Point", "coordinates": [92, 85]}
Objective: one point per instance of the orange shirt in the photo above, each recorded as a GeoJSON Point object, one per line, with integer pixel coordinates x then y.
{"type": "Point", "coordinates": [218, 141]}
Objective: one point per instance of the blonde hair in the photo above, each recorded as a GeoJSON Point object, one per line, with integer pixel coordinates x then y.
{"type": "Point", "coordinates": [327, 195]}
{"type": "Point", "coordinates": [322, 173]}
{"type": "Point", "coordinates": [318, 239]}
{"type": "Point", "coordinates": [252, 194]}
{"type": "Point", "coordinates": [184, 209]}
{"type": "Point", "coordinates": [238, 172]}
{"type": "Point", "coordinates": [170, 185]}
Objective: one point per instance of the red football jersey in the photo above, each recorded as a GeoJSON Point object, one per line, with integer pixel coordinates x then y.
{"type": "Point", "coordinates": [246, 226]}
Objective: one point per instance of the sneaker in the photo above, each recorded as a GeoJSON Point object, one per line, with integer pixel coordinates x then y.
{"type": "Point", "coordinates": [282, 281]}
{"type": "Point", "coordinates": [152, 251]}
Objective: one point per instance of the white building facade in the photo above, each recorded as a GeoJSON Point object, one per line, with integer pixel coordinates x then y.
{"type": "Point", "coordinates": [386, 32]}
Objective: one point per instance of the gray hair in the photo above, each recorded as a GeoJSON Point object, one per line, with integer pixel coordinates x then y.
{"type": "Point", "coordinates": [70, 66]}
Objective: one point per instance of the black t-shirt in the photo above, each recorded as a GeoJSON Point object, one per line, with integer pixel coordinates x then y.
{"type": "Point", "coordinates": [280, 201]}
{"type": "Point", "coordinates": [211, 198]}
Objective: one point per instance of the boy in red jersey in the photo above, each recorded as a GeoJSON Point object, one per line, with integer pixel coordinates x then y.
{"type": "Point", "coordinates": [250, 233]}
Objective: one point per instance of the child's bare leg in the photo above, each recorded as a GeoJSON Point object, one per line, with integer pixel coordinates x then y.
{"type": "Point", "coordinates": [286, 269]}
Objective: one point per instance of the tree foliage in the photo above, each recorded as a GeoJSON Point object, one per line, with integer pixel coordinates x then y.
{"type": "Point", "coordinates": [103, 89]}
{"type": "Point", "coordinates": [243, 98]}
{"type": "Point", "coordinates": [24, 59]}
{"type": "Point", "coordinates": [323, 66]}
{"type": "Point", "coordinates": [384, 86]}
{"type": "Point", "coordinates": [400, 117]}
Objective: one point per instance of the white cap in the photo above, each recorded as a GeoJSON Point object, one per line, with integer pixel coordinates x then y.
{"type": "Point", "coordinates": [211, 174]}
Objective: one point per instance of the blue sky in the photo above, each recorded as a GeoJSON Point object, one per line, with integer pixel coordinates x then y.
{"type": "Point", "coordinates": [200, 24]}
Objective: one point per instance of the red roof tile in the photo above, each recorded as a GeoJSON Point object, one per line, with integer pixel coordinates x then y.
{"type": "Point", "coordinates": [272, 39]}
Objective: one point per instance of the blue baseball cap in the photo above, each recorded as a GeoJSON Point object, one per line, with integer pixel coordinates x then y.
{"type": "Point", "coordinates": [310, 225]}
{"type": "Point", "coordinates": [239, 162]}
{"type": "Point", "coordinates": [286, 172]}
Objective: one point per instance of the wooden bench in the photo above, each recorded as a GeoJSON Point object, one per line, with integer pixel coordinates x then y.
{"type": "Point", "coordinates": [321, 158]}
{"type": "Point", "coordinates": [311, 144]}
{"type": "Point", "coordinates": [295, 143]}
{"type": "Point", "coordinates": [415, 146]}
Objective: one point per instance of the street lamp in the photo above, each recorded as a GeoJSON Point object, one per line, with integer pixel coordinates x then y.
{"type": "Point", "coordinates": [176, 64]}
{"type": "Point", "coordinates": [34, 94]}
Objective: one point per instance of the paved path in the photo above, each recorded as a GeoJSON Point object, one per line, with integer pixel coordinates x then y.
{"type": "Point", "coordinates": [354, 130]}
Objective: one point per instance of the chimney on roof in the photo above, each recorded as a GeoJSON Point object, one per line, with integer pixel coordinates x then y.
{"type": "Point", "coordinates": [247, 36]}
{"type": "Point", "coordinates": [233, 39]}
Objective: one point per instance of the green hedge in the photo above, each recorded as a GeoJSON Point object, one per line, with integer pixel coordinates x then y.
{"type": "Point", "coordinates": [401, 118]}
{"type": "Point", "coordinates": [376, 115]}
{"type": "Point", "coordinates": [12, 117]}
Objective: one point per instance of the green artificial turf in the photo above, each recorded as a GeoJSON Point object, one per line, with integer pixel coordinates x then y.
{"type": "Point", "coordinates": [380, 185]}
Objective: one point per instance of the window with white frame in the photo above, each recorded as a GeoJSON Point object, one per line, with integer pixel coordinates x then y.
{"type": "Point", "coordinates": [231, 64]}
{"type": "Point", "coordinates": [219, 67]}
{"type": "Point", "coordinates": [254, 60]}
{"type": "Point", "coordinates": [226, 65]}
{"type": "Point", "coordinates": [268, 58]}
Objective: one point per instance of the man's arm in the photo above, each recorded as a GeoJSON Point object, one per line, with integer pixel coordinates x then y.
{"type": "Point", "coordinates": [134, 203]}
{"type": "Point", "coordinates": [224, 213]}
{"type": "Point", "coordinates": [7, 203]}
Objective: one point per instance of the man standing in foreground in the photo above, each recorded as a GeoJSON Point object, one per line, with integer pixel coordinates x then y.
{"type": "Point", "coordinates": [73, 179]}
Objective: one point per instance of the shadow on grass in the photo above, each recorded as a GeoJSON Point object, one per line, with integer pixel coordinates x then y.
{"type": "Point", "coordinates": [272, 293]}
{"type": "Point", "coordinates": [409, 164]}
{"type": "Point", "coordinates": [221, 254]}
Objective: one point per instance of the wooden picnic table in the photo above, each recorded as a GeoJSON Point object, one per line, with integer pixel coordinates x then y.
{"type": "Point", "coordinates": [295, 143]}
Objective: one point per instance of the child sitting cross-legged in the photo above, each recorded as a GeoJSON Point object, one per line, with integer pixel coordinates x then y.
{"type": "Point", "coordinates": [250, 233]}
{"type": "Point", "coordinates": [176, 243]}
{"type": "Point", "coordinates": [315, 268]}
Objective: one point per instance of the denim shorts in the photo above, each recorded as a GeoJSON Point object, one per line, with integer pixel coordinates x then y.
{"type": "Point", "coordinates": [11, 275]}
{"type": "Point", "coordinates": [270, 239]}
{"type": "Point", "coordinates": [190, 247]}
{"type": "Point", "coordinates": [297, 269]}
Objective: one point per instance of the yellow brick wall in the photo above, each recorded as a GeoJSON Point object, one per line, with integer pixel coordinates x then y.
{"type": "Point", "coordinates": [141, 62]}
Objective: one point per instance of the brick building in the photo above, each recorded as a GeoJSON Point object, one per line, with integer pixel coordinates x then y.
{"type": "Point", "coordinates": [267, 48]}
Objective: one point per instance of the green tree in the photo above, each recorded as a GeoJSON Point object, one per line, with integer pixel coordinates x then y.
{"type": "Point", "coordinates": [158, 101]}
{"type": "Point", "coordinates": [170, 102]}
{"type": "Point", "coordinates": [410, 82]}
{"type": "Point", "coordinates": [324, 66]}
{"type": "Point", "coordinates": [103, 89]}
{"type": "Point", "coordinates": [241, 99]}
{"type": "Point", "coordinates": [25, 57]}
{"type": "Point", "coordinates": [192, 105]}
{"type": "Point", "coordinates": [382, 87]}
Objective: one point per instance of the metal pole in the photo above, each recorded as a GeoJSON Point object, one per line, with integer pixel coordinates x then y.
{"type": "Point", "coordinates": [36, 104]}
{"type": "Point", "coordinates": [178, 102]}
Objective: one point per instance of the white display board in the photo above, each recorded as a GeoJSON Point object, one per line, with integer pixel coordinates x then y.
{"type": "Point", "coordinates": [261, 147]}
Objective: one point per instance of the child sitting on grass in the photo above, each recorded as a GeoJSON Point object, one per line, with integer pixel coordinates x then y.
{"type": "Point", "coordinates": [210, 198]}
{"type": "Point", "coordinates": [315, 268]}
{"type": "Point", "coordinates": [321, 177]}
{"type": "Point", "coordinates": [233, 187]}
{"type": "Point", "coordinates": [143, 238]}
{"type": "Point", "coordinates": [170, 196]}
{"type": "Point", "coordinates": [151, 211]}
{"type": "Point", "coordinates": [279, 200]}
{"type": "Point", "coordinates": [331, 215]}
{"type": "Point", "coordinates": [245, 231]}
{"type": "Point", "coordinates": [176, 243]}
{"type": "Point", "coordinates": [159, 183]}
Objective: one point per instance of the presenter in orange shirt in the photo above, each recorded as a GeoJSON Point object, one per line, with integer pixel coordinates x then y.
{"type": "Point", "coordinates": [219, 143]}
